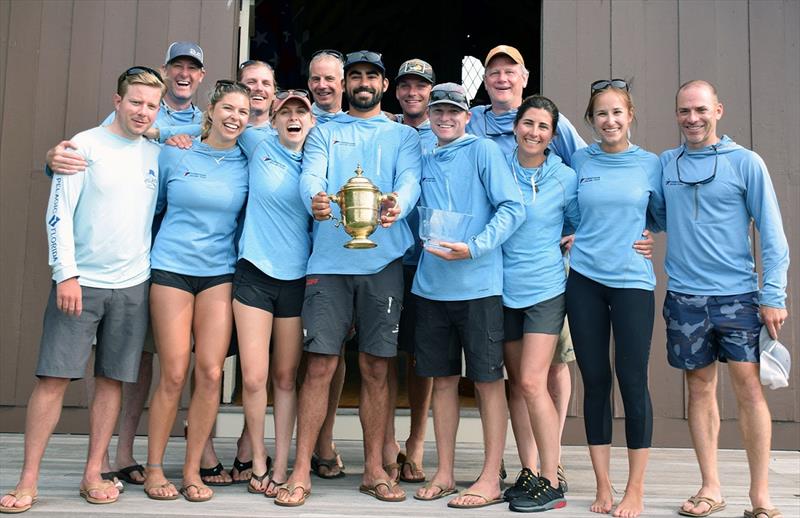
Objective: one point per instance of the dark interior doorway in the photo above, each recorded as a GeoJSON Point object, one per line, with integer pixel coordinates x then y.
{"type": "Point", "coordinates": [285, 33]}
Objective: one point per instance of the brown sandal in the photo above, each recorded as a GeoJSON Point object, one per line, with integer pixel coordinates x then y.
{"type": "Point", "coordinates": [20, 494]}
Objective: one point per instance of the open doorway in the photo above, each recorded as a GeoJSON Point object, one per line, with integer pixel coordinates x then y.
{"type": "Point", "coordinates": [285, 33]}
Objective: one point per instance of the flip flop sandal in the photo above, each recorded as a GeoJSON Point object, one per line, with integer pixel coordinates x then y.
{"type": "Point", "coordinates": [125, 474]}
{"type": "Point", "coordinates": [562, 479]}
{"type": "Point", "coordinates": [184, 491]}
{"type": "Point", "coordinates": [290, 489]}
{"type": "Point", "coordinates": [329, 464]}
{"type": "Point", "coordinates": [713, 506]}
{"type": "Point", "coordinates": [19, 494]}
{"type": "Point", "coordinates": [419, 475]}
{"type": "Point", "coordinates": [259, 479]}
{"type": "Point", "coordinates": [444, 491]}
{"type": "Point", "coordinates": [274, 484]}
{"type": "Point", "coordinates": [240, 466]}
{"type": "Point", "coordinates": [388, 468]}
{"type": "Point", "coordinates": [153, 496]}
{"type": "Point", "coordinates": [762, 512]}
{"type": "Point", "coordinates": [486, 501]}
{"type": "Point", "coordinates": [213, 472]}
{"type": "Point", "coordinates": [111, 476]}
{"type": "Point", "coordinates": [373, 491]}
{"type": "Point", "coordinates": [85, 493]}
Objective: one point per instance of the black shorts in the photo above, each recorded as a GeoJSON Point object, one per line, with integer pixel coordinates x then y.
{"type": "Point", "coordinates": [444, 327]}
{"type": "Point", "coordinates": [333, 303]}
{"type": "Point", "coordinates": [408, 317]}
{"type": "Point", "coordinates": [252, 287]}
{"type": "Point", "coordinates": [192, 283]}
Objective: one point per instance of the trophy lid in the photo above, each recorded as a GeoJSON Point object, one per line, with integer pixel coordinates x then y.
{"type": "Point", "coordinates": [358, 180]}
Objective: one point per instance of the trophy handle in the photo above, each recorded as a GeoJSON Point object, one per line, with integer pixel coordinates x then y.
{"type": "Point", "coordinates": [336, 221]}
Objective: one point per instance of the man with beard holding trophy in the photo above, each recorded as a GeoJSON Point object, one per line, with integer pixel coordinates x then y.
{"type": "Point", "coordinates": [346, 285]}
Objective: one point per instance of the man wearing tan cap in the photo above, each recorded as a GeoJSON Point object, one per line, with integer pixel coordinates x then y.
{"type": "Point", "coordinates": [505, 78]}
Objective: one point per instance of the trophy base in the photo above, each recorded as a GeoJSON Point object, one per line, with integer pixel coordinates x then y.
{"type": "Point", "coordinates": [360, 243]}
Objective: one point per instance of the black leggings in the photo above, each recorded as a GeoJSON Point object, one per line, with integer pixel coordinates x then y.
{"type": "Point", "coordinates": [593, 309]}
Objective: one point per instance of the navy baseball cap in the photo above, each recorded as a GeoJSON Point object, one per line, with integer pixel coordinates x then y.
{"type": "Point", "coordinates": [364, 56]}
{"type": "Point", "coordinates": [184, 49]}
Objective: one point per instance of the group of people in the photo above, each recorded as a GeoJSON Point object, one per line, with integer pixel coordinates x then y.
{"type": "Point", "coordinates": [227, 226]}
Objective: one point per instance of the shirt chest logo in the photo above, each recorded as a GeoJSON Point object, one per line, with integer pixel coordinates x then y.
{"type": "Point", "coordinates": [589, 179]}
{"type": "Point", "coordinates": [151, 180]}
{"type": "Point", "coordinates": [190, 174]}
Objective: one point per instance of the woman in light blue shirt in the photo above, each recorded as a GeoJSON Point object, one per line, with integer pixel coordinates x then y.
{"type": "Point", "coordinates": [202, 191]}
{"type": "Point", "coordinates": [610, 286]}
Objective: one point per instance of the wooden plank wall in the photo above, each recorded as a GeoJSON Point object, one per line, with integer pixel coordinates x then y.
{"type": "Point", "coordinates": [751, 50]}
{"type": "Point", "coordinates": [58, 67]}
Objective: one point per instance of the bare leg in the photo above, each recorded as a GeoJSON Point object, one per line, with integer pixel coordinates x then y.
{"type": "Point", "coordinates": [44, 411]}
{"type": "Point", "coordinates": [288, 346]}
{"type": "Point", "coordinates": [419, 401]}
{"type": "Point", "coordinates": [494, 420]}
{"type": "Point", "coordinates": [391, 449]}
{"type": "Point", "coordinates": [134, 397]}
{"type": "Point", "coordinates": [312, 405]}
{"type": "Point", "coordinates": [704, 429]}
{"type": "Point", "coordinates": [559, 385]}
{"type": "Point", "coordinates": [212, 331]}
{"type": "Point", "coordinates": [520, 418]}
{"type": "Point", "coordinates": [445, 426]}
{"type": "Point", "coordinates": [171, 312]}
{"type": "Point", "coordinates": [373, 411]}
{"type": "Point", "coordinates": [755, 424]}
{"type": "Point", "coordinates": [324, 446]}
{"type": "Point", "coordinates": [254, 327]}
{"type": "Point", "coordinates": [601, 463]}
{"type": "Point", "coordinates": [102, 421]}
{"type": "Point", "coordinates": [632, 504]}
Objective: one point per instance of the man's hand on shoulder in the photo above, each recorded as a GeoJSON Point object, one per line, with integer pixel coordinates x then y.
{"type": "Point", "coordinates": [63, 161]}
{"type": "Point", "coordinates": [69, 298]}
{"type": "Point", "coordinates": [773, 318]}
{"type": "Point", "coordinates": [181, 141]}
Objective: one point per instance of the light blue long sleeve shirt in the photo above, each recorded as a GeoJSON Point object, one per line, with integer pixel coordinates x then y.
{"type": "Point", "coordinates": [389, 154]}
{"type": "Point", "coordinates": [275, 235]}
{"type": "Point", "coordinates": [427, 142]}
{"type": "Point", "coordinates": [469, 175]}
{"type": "Point", "coordinates": [708, 226]}
{"type": "Point", "coordinates": [500, 128]}
{"type": "Point", "coordinates": [323, 116]}
{"type": "Point", "coordinates": [533, 267]}
{"type": "Point", "coordinates": [172, 122]}
{"type": "Point", "coordinates": [615, 193]}
{"type": "Point", "coordinates": [203, 191]}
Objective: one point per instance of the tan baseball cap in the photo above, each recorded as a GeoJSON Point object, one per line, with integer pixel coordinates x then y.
{"type": "Point", "coordinates": [506, 50]}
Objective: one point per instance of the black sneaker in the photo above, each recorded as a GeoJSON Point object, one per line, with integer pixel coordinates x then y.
{"type": "Point", "coordinates": [562, 479]}
{"type": "Point", "coordinates": [542, 498]}
{"type": "Point", "coordinates": [526, 481]}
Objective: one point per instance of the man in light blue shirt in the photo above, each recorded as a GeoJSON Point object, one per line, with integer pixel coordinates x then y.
{"type": "Point", "coordinates": [326, 84]}
{"type": "Point", "coordinates": [714, 309]}
{"type": "Point", "coordinates": [354, 286]}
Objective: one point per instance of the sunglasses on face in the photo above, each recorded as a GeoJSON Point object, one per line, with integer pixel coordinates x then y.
{"type": "Point", "coordinates": [364, 56]}
{"type": "Point", "coordinates": [283, 94]}
{"type": "Point", "coordinates": [698, 182]}
{"type": "Point", "coordinates": [329, 52]}
{"type": "Point", "coordinates": [135, 71]}
{"type": "Point", "coordinates": [608, 83]}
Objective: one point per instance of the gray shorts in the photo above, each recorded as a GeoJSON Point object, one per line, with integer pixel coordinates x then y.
{"type": "Point", "coordinates": [445, 327]}
{"type": "Point", "coordinates": [334, 303]}
{"type": "Point", "coordinates": [546, 317]}
{"type": "Point", "coordinates": [117, 317]}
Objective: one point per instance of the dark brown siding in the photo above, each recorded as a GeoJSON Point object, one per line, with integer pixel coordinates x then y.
{"type": "Point", "coordinates": [749, 49]}
{"type": "Point", "coordinates": [59, 62]}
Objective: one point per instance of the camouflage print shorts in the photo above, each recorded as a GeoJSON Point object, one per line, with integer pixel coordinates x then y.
{"type": "Point", "coordinates": [702, 329]}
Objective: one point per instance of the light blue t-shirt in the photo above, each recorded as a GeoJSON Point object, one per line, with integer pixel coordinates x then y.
{"type": "Point", "coordinates": [500, 128]}
{"type": "Point", "coordinates": [276, 232]}
{"type": "Point", "coordinates": [470, 176]}
{"type": "Point", "coordinates": [389, 155]}
{"type": "Point", "coordinates": [202, 191]}
{"type": "Point", "coordinates": [533, 267]}
{"type": "Point", "coordinates": [708, 225]}
{"type": "Point", "coordinates": [615, 193]}
{"type": "Point", "coordinates": [172, 122]}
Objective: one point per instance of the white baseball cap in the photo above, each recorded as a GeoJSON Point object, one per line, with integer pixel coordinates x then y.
{"type": "Point", "coordinates": [776, 362]}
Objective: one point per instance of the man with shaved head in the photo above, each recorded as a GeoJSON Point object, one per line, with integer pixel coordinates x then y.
{"type": "Point", "coordinates": [714, 309]}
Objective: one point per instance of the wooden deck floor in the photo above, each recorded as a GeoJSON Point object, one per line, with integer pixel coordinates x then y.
{"type": "Point", "coordinates": [671, 476]}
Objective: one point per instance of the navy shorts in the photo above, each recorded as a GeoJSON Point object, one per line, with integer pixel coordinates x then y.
{"type": "Point", "coordinates": [443, 327]}
{"type": "Point", "coordinates": [252, 287]}
{"type": "Point", "coordinates": [192, 283]}
{"type": "Point", "coordinates": [702, 329]}
{"type": "Point", "coordinates": [408, 317]}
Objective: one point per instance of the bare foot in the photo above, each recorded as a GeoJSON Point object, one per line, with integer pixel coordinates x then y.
{"type": "Point", "coordinates": [632, 504]}
{"type": "Point", "coordinates": [603, 501]}
{"type": "Point", "coordinates": [101, 489]}
{"type": "Point", "coordinates": [22, 497]}
{"type": "Point", "coordinates": [156, 484]}
{"type": "Point", "coordinates": [483, 486]}
{"type": "Point", "coordinates": [391, 460]}
{"type": "Point", "coordinates": [301, 487]}
{"type": "Point", "coordinates": [195, 489]}
{"type": "Point", "coordinates": [369, 478]}
{"type": "Point", "coordinates": [439, 481]}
